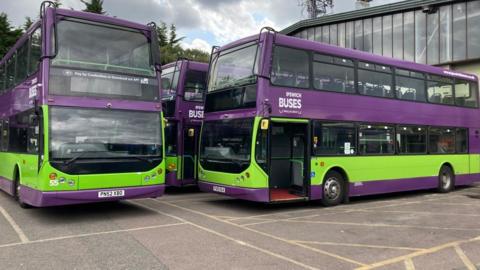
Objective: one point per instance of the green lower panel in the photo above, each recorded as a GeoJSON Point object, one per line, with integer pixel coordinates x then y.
{"type": "Point", "coordinates": [360, 169]}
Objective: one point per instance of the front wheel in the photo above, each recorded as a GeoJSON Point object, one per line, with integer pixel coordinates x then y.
{"type": "Point", "coordinates": [333, 189]}
{"type": "Point", "coordinates": [16, 193]}
{"type": "Point", "coordinates": [446, 179]}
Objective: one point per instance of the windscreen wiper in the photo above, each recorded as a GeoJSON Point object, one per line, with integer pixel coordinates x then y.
{"type": "Point", "coordinates": [81, 154]}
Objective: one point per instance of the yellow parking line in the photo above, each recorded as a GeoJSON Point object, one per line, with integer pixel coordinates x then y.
{"type": "Point", "coordinates": [409, 264]}
{"type": "Point", "coordinates": [269, 235]}
{"type": "Point", "coordinates": [378, 225]}
{"type": "Point", "coordinates": [417, 212]}
{"type": "Point", "coordinates": [223, 235]}
{"type": "Point", "coordinates": [14, 225]}
{"type": "Point", "coordinates": [417, 253]}
{"type": "Point", "coordinates": [468, 263]}
{"type": "Point", "coordinates": [357, 245]}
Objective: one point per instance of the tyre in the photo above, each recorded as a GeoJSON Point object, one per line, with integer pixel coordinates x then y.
{"type": "Point", "coordinates": [333, 189]}
{"type": "Point", "coordinates": [446, 179]}
{"type": "Point", "coordinates": [16, 192]}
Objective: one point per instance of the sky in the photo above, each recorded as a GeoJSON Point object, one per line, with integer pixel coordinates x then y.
{"type": "Point", "coordinates": [203, 23]}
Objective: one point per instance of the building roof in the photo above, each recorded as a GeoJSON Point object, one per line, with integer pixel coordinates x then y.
{"type": "Point", "coordinates": [362, 13]}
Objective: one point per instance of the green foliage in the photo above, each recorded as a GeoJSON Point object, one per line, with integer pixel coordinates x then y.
{"type": "Point", "coordinates": [8, 35]}
{"type": "Point", "coordinates": [28, 23]}
{"type": "Point", "coordinates": [57, 3]}
{"type": "Point", "coordinates": [94, 6]}
{"type": "Point", "coordinates": [170, 49]}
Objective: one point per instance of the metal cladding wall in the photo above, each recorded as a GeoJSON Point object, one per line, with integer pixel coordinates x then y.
{"type": "Point", "coordinates": [443, 32]}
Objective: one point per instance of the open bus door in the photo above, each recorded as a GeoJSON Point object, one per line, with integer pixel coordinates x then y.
{"type": "Point", "coordinates": [289, 156]}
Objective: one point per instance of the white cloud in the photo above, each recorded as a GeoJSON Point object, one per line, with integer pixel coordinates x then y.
{"type": "Point", "coordinates": [197, 43]}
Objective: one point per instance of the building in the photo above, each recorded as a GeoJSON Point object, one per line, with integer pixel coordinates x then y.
{"type": "Point", "coordinates": [436, 32]}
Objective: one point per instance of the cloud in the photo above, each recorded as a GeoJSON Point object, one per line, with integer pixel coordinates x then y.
{"type": "Point", "coordinates": [224, 20]}
{"type": "Point", "coordinates": [197, 43]}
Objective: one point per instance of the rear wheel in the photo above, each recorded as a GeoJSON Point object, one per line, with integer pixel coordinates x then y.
{"type": "Point", "coordinates": [16, 191]}
{"type": "Point", "coordinates": [333, 189]}
{"type": "Point", "coordinates": [446, 179]}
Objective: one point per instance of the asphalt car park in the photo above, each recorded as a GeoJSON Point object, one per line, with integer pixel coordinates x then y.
{"type": "Point", "coordinates": [186, 229]}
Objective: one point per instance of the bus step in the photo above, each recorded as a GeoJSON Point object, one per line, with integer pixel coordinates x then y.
{"type": "Point", "coordinates": [282, 195]}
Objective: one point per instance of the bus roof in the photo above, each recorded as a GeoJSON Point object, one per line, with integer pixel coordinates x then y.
{"type": "Point", "coordinates": [351, 53]}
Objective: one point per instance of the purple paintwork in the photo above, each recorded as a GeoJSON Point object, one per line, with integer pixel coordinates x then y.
{"type": "Point", "coordinates": [88, 102]}
{"type": "Point", "coordinates": [335, 106]}
{"type": "Point", "coordinates": [355, 189]}
{"type": "Point", "coordinates": [182, 113]}
{"type": "Point", "coordinates": [249, 194]}
{"type": "Point", "coordinates": [6, 185]}
{"type": "Point", "coordinates": [42, 199]}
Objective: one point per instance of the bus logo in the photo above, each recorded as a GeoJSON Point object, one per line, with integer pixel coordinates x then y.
{"type": "Point", "coordinates": [291, 103]}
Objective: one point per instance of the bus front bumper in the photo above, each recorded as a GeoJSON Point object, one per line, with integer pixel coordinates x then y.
{"type": "Point", "coordinates": [42, 199]}
{"type": "Point", "coordinates": [249, 194]}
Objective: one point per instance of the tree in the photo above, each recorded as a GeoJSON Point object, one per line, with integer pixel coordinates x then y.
{"type": "Point", "coordinates": [196, 55]}
{"type": "Point", "coordinates": [94, 6]}
{"type": "Point", "coordinates": [57, 4]}
{"type": "Point", "coordinates": [8, 35]}
{"type": "Point", "coordinates": [28, 23]}
{"type": "Point", "coordinates": [170, 49]}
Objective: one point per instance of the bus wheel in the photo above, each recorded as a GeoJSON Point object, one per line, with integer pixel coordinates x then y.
{"type": "Point", "coordinates": [446, 179]}
{"type": "Point", "coordinates": [16, 192]}
{"type": "Point", "coordinates": [333, 189]}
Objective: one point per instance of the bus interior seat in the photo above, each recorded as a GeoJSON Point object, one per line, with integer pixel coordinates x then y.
{"type": "Point", "coordinates": [301, 80]}
{"type": "Point", "coordinates": [409, 95]}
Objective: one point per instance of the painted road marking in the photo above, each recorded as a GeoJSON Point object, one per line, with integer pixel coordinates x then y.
{"type": "Point", "coordinates": [14, 225]}
{"type": "Point", "coordinates": [468, 263]}
{"type": "Point", "coordinates": [357, 245]}
{"type": "Point", "coordinates": [92, 234]}
{"type": "Point", "coordinates": [269, 235]}
{"type": "Point", "coordinates": [409, 264]}
{"type": "Point", "coordinates": [417, 253]}
{"type": "Point", "coordinates": [224, 236]}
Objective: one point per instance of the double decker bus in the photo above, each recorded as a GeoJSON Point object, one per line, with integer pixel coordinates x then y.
{"type": "Point", "coordinates": [288, 119]}
{"type": "Point", "coordinates": [183, 89]}
{"type": "Point", "coordinates": [80, 111]}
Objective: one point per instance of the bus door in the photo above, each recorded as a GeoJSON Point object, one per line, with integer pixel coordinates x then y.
{"type": "Point", "coordinates": [289, 155]}
{"type": "Point", "coordinates": [190, 145]}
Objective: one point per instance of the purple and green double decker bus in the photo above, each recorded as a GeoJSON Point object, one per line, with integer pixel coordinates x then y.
{"type": "Point", "coordinates": [80, 111]}
{"type": "Point", "coordinates": [183, 90]}
{"type": "Point", "coordinates": [288, 119]}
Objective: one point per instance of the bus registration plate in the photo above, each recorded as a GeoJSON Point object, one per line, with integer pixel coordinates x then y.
{"type": "Point", "coordinates": [219, 189]}
{"type": "Point", "coordinates": [111, 193]}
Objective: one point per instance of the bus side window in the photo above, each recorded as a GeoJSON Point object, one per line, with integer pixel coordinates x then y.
{"type": "Point", "coordinates": [334, 139]}
{"type": "Point", "coordinates": [466, 94]}
{"type": "Point", "coordinates": [33, 133]}
{"type": "Point", "coordinates": [461, 140]}
{"type": "Point", "coordinates": [4, 135]}
{"type": "Point", "coordinates": [35, 45]}
{"type": "Point", "coordinates": [441, 140]}
{"type": "Point", "coordinates": [290, 68]}
{"type": "Point", "coordinates": [2, 79]}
